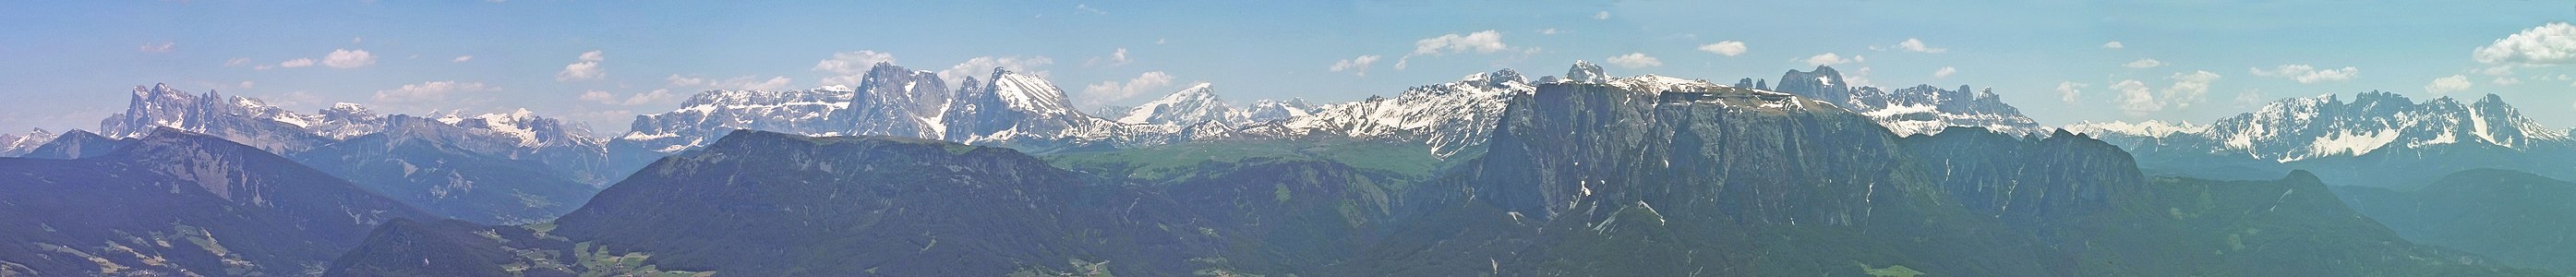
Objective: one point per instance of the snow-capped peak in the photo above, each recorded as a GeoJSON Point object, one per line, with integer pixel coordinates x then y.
{"type": "Point", "coordinates": [1586, 72]}
{"type": "Point", "coordinates": [2149, 128]}
{"type": "Point", "coordinates": [1651, 83]}
{"type": "Point", "coordinates": [1029, 93]}
{"type": "Point", "coordinates": [1266, 110]}
{"type": "Point", "coordinates": [1192, 105]}
{"type": "Point", "coordinates": [12, 145]}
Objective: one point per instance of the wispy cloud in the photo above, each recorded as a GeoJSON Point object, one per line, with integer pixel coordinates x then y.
{"type": "Point", "coordinates": [1487, 41]}
{"type": "Point", "coordinates": [1635, 60]}
{"type": "Point", "coordinates": [2305, 74]}
{"type": "Point", "coordinates": [1357, 65]}
{"type": "Point", "coordinates": [163, 47]}
{"type": "Point", "coordinates": [345, 58]}
{"type": "Point", "coordinates": [1108, 91]}
{"type": "Point", "coordinates": [2144, 63]}
{"type": "Point", "coordinates": [1726, 48]}
{"type": "Point", "coordinates": [2446, 85]}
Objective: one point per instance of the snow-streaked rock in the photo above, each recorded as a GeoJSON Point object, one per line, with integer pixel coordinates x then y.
{"type": "Point", "coordinates": [1921, 109]}
{"type": "Point", "coordinates": [2325, 126]}
{"type": "Point", "coordinates": [12, 145]}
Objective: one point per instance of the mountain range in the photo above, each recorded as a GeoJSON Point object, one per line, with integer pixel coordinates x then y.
{"type": "Point", "coordinates": [1579, 174]}
{"type": "Point", "coordinates": [1579, 177]}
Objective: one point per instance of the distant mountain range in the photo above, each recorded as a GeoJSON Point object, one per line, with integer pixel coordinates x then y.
{"type": "Point", "coordinates": [2377, 139]}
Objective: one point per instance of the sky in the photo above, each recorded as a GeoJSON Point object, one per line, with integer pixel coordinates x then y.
{"type": "Point", "coordinates": [68, 64]}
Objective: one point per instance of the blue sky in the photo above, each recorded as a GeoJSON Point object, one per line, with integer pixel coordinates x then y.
{"type": "Point", "coordinates": [67, 64]}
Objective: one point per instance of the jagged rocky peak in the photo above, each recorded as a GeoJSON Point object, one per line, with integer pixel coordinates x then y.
{"type": "Point", "coordinates": [914, 90]}
{"type": "Point", "coordinates": [1196, 104]}
{"type": "Point", "coordinates": [1920, 109]}
{"type": "Point", "coordinates": [1586, 72]}
{"type": "Point", "coordinates": [1824, 82]}
{"type": "Point", "coordinates": [239, 119]}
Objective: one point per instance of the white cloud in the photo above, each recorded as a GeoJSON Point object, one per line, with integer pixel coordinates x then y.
{"type": "Point", "coordinates": [344, 58]}
{"type": "Point", "coordinates": [1088, 8]}
{"type": "Point", "coordinates": [2249, 98]}
{"type": "Point", "coordinates": [1917, 46]}
{"type": "Point", "coordinates": [462, 58]}
{"type": "Point", "coordinates": [1827, 59]}
{"type": "Point", "coordinates": [298, 62]}
{"type": "Point", "coordinates": [248, 84]}
{"type": "Point", "coordinates": [1107, 91]}
{"type": "Point", "coordinates": [1727, 48]}
{"type": "Point", "coordinates": [848, 68]}
{"type": "Point", "coordinates": [2144, 63]}
{"type": "Point", "coordinates": [603, 97]}
{"type": "Point", "coordinates": [1944, 72]}
{"type": "Point", "coordinates": [236, 62]}
{"type": "Point", "coordinates": [2449, 84]}
{"type": "Point", "coordinates": [1115, 59]}
{"type": "Point", "coordinates": [2307, 74]}
{"type": "Point", "coordinates": [428, 92]}
{"type": "Point", "coordinates": [2187, 89]}
{"type": "Point", "coordinates": [1357, 66]}
{"type": "Point", "coordinates": [1548, 31]}
{"type": "Point", "coordinates": [1486, 41]}
{"type": "Point", "coordinates": [2070, 91]}
{"type": "Point", "coordinates": [1858, 77]}
{"type": "Point", "coordinates": [2136, 98]}
{"type": "Point", "coordinates": [2506, 81]}
{"type": "Point", "coordinates": [2549, 44]}
{"type": "Point", "coordinates": [983, 67]}
{"type": "Point", "coordinates": [585, 69]}
{"type": "Point", "coordinates": [163, 47]}
{"type": "Point", "coordinates": [1603, 15]}
{"type": "Point", "coordinates": [2113, 45]}
{"type": "Point", "coordinates": [1400, 62]}
{"type": "Point", "coordinates": [1635, 60]}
